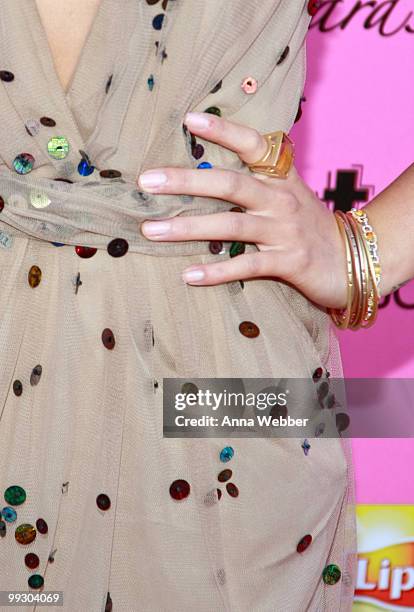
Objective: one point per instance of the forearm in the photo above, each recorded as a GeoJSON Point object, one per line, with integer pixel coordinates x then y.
{"type": "Point", "coordinates": [391, 214]}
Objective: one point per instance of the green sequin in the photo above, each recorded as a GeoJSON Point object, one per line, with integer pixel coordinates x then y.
{"type": "Point", "coordinates": [237, 248]}
{"type": "Point", "coordinates": [36, 581]}
{"type": "Point", "coordinates": [15, 495]}
{"type": "Point", "coordinates": [331, 574]}
{"type": "Point", "coordinates": [214, 110]}
{"type": "Point", "coordinates": [58, 147]}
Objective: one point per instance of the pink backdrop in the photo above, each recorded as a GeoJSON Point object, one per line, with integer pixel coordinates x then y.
{"type": "Point", "coordinates": [358, 122]}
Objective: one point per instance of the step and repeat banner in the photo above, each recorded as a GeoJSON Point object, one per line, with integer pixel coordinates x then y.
{"type": "Point", "coordinates": [354, 134]}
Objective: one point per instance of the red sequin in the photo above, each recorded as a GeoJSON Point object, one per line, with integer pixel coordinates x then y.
{"type": "Point", "coordinates": [304, 543]}
{"type": "Point", "coordinates": [85, 252]}
{"type": "Point", "coordinates": [179, 489]}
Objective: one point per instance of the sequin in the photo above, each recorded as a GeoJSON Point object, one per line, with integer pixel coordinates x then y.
{"type": "Point", "coordinates": [85, 252]}
{"type": "Point", "coordinates": [319, 430]}
{"type": "Point", "coordinates": [323, 390]}
{"type": "Point", "coordinates": [36, 581]}
{"type": "Point", "coordinates": [39, 199]}
{"type": "Point", "coordinates": [342, 421]}
{"type": "Point", "coordinates": [110, 174]}
{"type": "Point", "coordinates": [313, 6]}
{"type": "Point", "coordinates": [9, 514]}
{"type": "Point", "coordinates": [204, 165]}
{"type": "Point", "coordinates": [237, 248]}
{"type": "Point", "coordinates": [284, 55]}
{"type": "Point", "coordinates": [189, 387]}
{"type": "Point", "coordinates": [6, 76]}
{"type": "Point", "coordinates": [236, 209]}
{"type": "Point", "coordinates": [1, 203]}
{"type": "Point", "coordinates": [34, 276]}
{"type": "Point", "coordinates": [224, 475]}
{"type": "Point", "coordinates": [150, 82]}
{"type": "Point", "coordinates": [217, 87]}
{"type": "Point", "coordinates": [232, 489]}
{"type": "Point", "coordinates": [17, 387]}
{"type": "Point", "coordinates": [6, 241]}
{"type": "Point", "coordinates": [41, 526]}
{"type": "Point", "coordinates": [219, 494]}
{"type": "Point", "coordinates": [47, 121]}
{"type": "Point", "coordinates": [58, 244]}
{"type": "Point", "coordinates": [25, 533]}
{"type": "Point", "coordinates": [306, 446]}
{"type": "Point", "coordinates": [3, 529]}
{"type": "Point", "coordinates": [15, 495]}
{"type": "Point", "coordinates": [197, 151]}
{"type": "Point", "coordinates": [32, 127]}
{"type": "Point", "coordinates": [304, 543]}
{"type": "Point", "coordinates": [103, 502]}
{"type": "Point", "coordinates": [249, 85]}
{"type": "Point", "coordinates": [278, 412]}
{"type": "Point", "coordinates": [158, 21]}
{"type": "Point", "coordinates": [108, 339]}
{"type": "Point", "coordinates": [23, 163]}
{"type": "Point", "coordinates": [84, 168]}
{"type": "Point", "coordinates": [331, 574]}
{"type": "Point", "coordinates": [331, 401]}
{"type": "Point", "coordinates": [249, 329]}
{"type": "Point", "coordinates": [117, 247]}
{"type": "Point", "coordinates": [215, 246]}
{"type": "Point", "coordinates": [108, 604]}
{"type": "Point", "coordinates": [213, 110]}
{"type": "Point", "coordinates": [31, 560]}
{"type": "Point", "coordinates": [179, 489]}
{"type": "Point", "coordinates": [108, 83]}
{"type": "Point", "coordinates": [58, 147]}
{"type": "Point", "coordinates": [226, 454]}
{"type": "Point", "coordinates": [317, 374]}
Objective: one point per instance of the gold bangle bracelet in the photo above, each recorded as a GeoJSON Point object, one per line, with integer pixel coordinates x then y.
{"type": "Point", "coordinates": [341, 316]}
{"type": "Point", "coordinates": [371, 310]}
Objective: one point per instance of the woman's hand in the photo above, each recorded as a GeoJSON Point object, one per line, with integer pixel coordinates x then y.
{"type": "Point", "coordinates": [296, 234]}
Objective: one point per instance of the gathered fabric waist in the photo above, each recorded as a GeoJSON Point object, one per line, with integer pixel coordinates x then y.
{"type": "Point", "coordinates": [94, 213]}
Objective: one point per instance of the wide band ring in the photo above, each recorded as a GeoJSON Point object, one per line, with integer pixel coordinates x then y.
{"type": "Point", "coordinates": [278, 159]}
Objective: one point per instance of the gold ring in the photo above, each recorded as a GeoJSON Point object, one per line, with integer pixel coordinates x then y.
{"type": "Point", "coordinates": [278, 159]}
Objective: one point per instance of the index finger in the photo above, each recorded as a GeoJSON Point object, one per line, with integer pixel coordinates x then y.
{"type": "Point", "coordinates": [246, 141]}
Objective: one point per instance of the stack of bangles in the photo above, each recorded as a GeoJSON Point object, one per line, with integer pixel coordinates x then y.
{"type": "Point", "coordinates": [363, 264]}
{"type": "Point", "coordinates": [364, 271]}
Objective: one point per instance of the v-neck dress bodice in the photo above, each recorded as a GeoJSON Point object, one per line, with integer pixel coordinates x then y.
{"type": "Point", "coordinates": [97, 504]}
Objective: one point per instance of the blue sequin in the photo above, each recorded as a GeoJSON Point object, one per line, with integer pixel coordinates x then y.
{"type": "Point", "coordinates": [84, 168]}
{"type": "Point", "coordinates": [204, 165]}
{"type": "Point", "coordinates": [306, 446]}
{"type": "Point", "coordinates": [150, 82]}
{"type": "Point", "coordinates": [58, 244]}
{"type": "Point", "coordinates": [226, 454]}
{"type": "Point", "coordinates": [157, 21]}
{"type": "Point", "coordinates": [9, 514]}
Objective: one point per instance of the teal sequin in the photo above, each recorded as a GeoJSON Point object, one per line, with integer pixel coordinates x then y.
{"type": "Point", "coordinates": [9, 514]}
{"type": "Point", "coordinates": [226, 454]}
{"type": "Point", "coordinates": [23, 163]}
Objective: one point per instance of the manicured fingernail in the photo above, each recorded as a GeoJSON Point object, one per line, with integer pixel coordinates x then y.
{"type": "Point", "coordinates": [157, 228]}
{"type": "Point", "coordinates": [197, 120]}
{"type": "Point", "coordinates": [193, 275]}
{"type": "Point", "coordinates": [152, 179]}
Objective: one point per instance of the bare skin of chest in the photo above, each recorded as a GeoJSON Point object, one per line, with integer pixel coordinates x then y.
{"type": "Point", "coordinates": [67, 25]}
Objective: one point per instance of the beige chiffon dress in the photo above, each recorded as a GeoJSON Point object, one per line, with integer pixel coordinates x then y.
{"type": "Point", "coordinates": [93, 317]}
